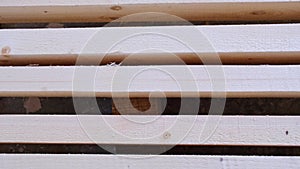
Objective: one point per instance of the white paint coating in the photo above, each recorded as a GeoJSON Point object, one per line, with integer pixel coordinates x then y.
{"type": "Point", "coordinates": [235, 44]}
{"type": "Point", "coordinates": [137, 81]}
{"type": "Point", "coordinates": [206, 130]}
{"type": "Point", "coordinates": [62, 161]}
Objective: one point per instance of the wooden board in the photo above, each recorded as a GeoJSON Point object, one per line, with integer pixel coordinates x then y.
{"type": "Point", "coordinates": [157, 81]}
{"type": "Point", "coordinates": [151, 130]}
{"type": "Point", "coordinates": [62, 161]}
{"type": "Point", "coordinates": [105, 11]}
{"type": "Point", "coordinates": [247, 44]}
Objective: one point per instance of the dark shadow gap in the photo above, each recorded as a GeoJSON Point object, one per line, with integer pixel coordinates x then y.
{"type": "Point", "coordinates": [37, 25]}
{"type": "Point", "coordinates": [177, 150]}
{"type": "Point", "coordinates": [233, 106]}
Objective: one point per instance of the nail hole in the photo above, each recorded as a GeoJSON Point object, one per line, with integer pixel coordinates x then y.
{"type": "Point", "coordinates": [167, 135]}
{"type": "Point", "coordinates": [286, 132]}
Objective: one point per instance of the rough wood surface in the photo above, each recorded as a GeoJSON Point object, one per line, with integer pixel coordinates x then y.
{"type": "Point", "coordinates": [247, 44]}
{"type": "Point", "coordinates": [151, 130]}
{"type": "Point", "coordinates": [105, 11]}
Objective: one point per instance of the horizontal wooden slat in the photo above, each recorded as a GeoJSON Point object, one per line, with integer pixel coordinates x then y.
{"type": "Point", "coordinates": [37, 161]}
{"type": "Point", "coordinates": [151, 130]}
{"type": "Point", "coordinates": [140, 81]}
{"type": "Point", "coordinates": [99, 10]}
{"type": "Point", "coordinates": [153, 45]}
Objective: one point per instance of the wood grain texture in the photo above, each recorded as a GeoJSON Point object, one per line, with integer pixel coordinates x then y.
{"type": "Point", "coordinates": [157, 81]}
{"type": "Point", "coordinates": [151, 130]}
{"type": "Point", "coordinates": [105, 11]}
{"type": "Point", "coordinates": [62, 161]}
{"type": "Point", "coordinates": [250, 44]}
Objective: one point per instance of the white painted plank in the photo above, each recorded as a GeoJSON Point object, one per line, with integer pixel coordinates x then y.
{"type": "Point", "coordinates": [104, 10]}
{"type": "Point", "coordinates": [152, 130]}
{"type": "Point", "coordinates": [62, 161]}
{"type": "Point", "coordinates": [153, 45]}
{"type": "Point", "coordinates": [137, 81]}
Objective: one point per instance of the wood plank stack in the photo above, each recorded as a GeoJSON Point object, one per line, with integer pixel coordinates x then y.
{"type": "Point", "coordinates": [173, 60]}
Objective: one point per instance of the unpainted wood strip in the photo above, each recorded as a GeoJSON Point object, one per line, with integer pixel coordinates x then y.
{"type": "Point", "coordinates": [151, 130]}
{"type": "Point", "coordinates": [246, 44]}
{"type": "Point", "coordinates": [12, 11]}
{"type": "Point", "coordinates": [151, 81]}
